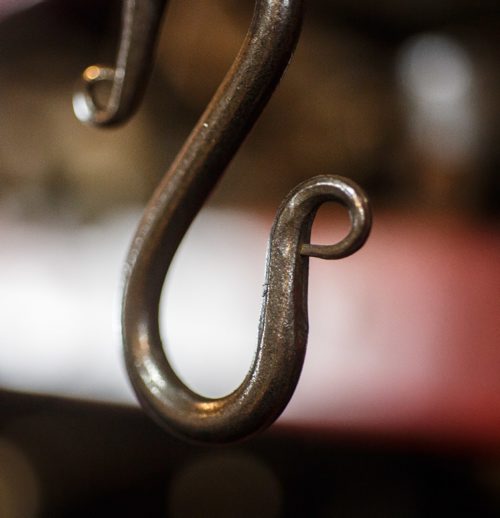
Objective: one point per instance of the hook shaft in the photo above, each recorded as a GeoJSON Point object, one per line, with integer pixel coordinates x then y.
{"type": "Point", "coordinates": [140, 28]}
{"type": "Point", "coordinates": [273, 376]}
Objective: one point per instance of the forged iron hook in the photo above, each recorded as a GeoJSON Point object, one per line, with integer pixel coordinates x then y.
{"type": "Point", "coordinates": [267, 388]}
{"type": "Point", "coordinates": [140, 28]}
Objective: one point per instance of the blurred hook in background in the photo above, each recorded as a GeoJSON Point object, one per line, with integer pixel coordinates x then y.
{"type": "Point", "coordinates": [282, 338]}
{"type": "Point", "coordinates": [140, 28]}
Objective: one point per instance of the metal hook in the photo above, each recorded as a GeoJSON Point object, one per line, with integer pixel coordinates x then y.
{"type": "Point", "coordinates": [140, 28]}
{"type": "Point", "coordinates": [283, 326]}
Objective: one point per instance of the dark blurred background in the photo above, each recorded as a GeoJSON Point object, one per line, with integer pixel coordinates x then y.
{"type": "Point", "coordinates": [398, 409]}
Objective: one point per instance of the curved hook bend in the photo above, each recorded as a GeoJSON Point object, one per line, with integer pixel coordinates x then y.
{"type": "Point", "coordinates": [283, 327]}
{"type": "Point", "coordinates": [140, 29]}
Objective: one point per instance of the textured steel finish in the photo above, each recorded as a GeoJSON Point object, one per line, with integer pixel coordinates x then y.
{"type": "Point", "coordinates": [283, 326]}
{"type": "Point", "coordinates": [140, 27]}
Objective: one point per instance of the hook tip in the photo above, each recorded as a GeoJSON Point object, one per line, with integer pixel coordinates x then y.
{"type": "Point", "coordinates": [355, 200]}
{"type": "Point", "coordinates": [85, 105]}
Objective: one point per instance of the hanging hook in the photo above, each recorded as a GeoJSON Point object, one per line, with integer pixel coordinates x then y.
{"type": "Point", "coordinates": [140, 28]}
{"type": "Point", "coordinates": [228, 118]}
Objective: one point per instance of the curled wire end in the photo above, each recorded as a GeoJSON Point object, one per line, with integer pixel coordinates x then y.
{"type": "Point", "coordinates": [85, 104]}
{"type": "Point", "coordinates": [140, 29]}
{"type": "Point", "coordinates": [347, 193]}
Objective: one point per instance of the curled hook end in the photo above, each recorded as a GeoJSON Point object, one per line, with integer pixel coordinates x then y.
{"type": "Point", "coordinates": [349, 194]}
{"type": "Point", "coordinates": [85, 104]}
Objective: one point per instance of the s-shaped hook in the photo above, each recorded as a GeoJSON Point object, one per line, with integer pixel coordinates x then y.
{"type": "Point", "coordinates": [283, 328]}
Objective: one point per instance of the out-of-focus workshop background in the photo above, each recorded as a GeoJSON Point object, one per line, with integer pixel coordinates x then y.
{"type": "Point", "coordinates": [397, 412]}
